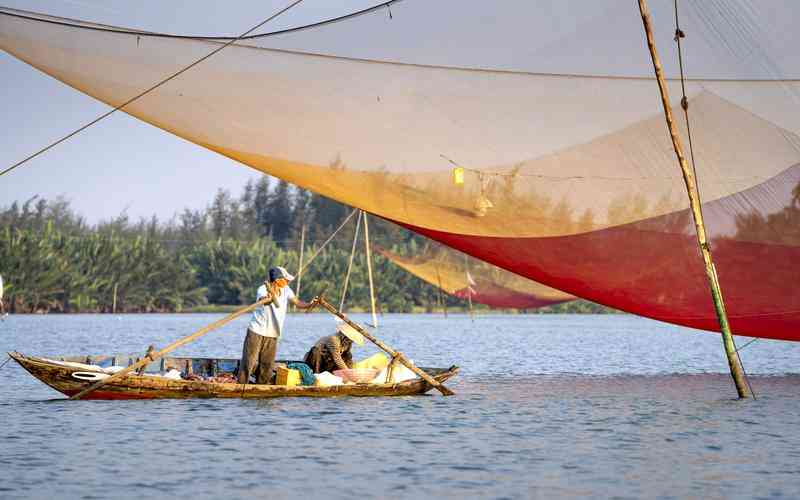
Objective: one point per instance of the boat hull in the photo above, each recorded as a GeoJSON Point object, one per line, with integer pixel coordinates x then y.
{"type": "Point", "coordinates": [60, 378]}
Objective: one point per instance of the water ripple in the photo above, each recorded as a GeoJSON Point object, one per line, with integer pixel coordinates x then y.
{"type": "Point", "coordinates": [545, 407]}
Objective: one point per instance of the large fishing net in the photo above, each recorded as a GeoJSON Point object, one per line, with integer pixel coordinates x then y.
{"type": "Point", "coordinates": [474, 280]}
{"type": "Point", "coordinates": [527, 134]}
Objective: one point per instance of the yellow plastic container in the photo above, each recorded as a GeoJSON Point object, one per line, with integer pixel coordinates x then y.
{"type": "Point", "coordinates": [285, 376]}
{"type": "Point", "coordinates": [379, 361]}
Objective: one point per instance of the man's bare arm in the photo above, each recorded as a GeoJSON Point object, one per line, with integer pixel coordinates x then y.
{"type": "Point", "coordinates": [300, 304]}
{"type": "Point", "coordinates": [335, 348]}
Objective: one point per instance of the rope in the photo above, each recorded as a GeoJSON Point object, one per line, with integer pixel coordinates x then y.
{"type": "Point", "coordinates": [747, 344]}
{"type": "Point", "coordinates": [150, 89]}
{"type": "Point", "coordinates": [442, 300]}
{"type": "Point", "coordinates": [746, 376]}
{"type": "Point", "coordinates": [369, 270]}
{"type": "Point", "coordinates": [493, 173]}
{"type": "Point", "coordinates": [469, 288]}
{"type": "Point", "coordinates": [684, 100]}
{"type": "Point", "coordinates": [302, 248]}
{"type": "Point", "coordinates": [304, 267]}
{"type": "Point", "coordinates": [350, 263]}
{"type": "Point", "coordinates": [679, 34]}
{"type": "Point", "coordinates": [5, 362]}
{"type": "Point", "coordinates": [77, 23]}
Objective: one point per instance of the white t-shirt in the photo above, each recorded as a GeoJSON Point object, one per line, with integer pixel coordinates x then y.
{"type": "Point", "coordinates": [268, 320]}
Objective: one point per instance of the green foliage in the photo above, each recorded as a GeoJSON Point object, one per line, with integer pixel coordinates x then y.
{"type": "Point", "coordinates": [576, 307]}
{"type": "Point", "coordinates": [48, 269]}
{"type": "Point", "coordinates": [231, 270]}
{"type": "Point", "coordinates": [53, 262]}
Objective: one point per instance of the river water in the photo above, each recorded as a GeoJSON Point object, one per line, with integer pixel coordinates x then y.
{"type": "Point", "coordinates": [547, 406]}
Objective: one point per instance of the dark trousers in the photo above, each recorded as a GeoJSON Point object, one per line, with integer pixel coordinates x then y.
{"type": "Point", "coordinates": [258, 357]}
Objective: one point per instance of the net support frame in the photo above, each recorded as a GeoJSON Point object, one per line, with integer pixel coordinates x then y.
{"type": "Point", "coordinates": [737, 372]}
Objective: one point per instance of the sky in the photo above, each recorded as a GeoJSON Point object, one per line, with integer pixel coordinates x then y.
{"type": "Point", "coordinates": [122, 164]}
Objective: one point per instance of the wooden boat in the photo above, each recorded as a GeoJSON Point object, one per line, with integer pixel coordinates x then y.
{"type": "Point", "coordinates": [71, 374]}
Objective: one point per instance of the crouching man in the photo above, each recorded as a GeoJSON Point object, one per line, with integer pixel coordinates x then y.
{"type": "Point", "coordinates": [334, 352]}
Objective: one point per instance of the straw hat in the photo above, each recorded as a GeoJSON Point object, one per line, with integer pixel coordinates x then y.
{"type": "Point", "coordinates": [350, 332]}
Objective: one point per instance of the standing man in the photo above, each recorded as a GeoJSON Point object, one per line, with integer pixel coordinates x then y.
{"type": "Point", "coordinates": [266, 327]}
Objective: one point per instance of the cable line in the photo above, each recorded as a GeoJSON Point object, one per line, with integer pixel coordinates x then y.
{"type": "Point", "coordinates": [77, 23]}
{"type": "Point", "coordinates": [350, 262]}
{"type": "Point", "coordinates": [308, 262]}
{"type": "Point", "coordinates": [150, 89]}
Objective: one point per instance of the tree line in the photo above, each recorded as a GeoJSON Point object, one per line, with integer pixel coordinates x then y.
{"type": "Point", "coordinates": [54, 261]}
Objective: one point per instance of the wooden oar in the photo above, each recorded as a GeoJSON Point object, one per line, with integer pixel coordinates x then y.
{"type": "Point", "coordinates": [395, 354]}
{"type": "Point", "coordinates": [152, 356]}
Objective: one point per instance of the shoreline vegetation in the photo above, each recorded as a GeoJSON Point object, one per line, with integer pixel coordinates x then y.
{"type": "Point", "coordinates": [578, 307]}
{"type": "Point", "coordinates": [208, 260]}
{"type": "Point", "coordinates": [587, 308]}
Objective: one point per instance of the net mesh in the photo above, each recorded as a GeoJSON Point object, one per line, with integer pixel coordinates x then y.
{"type": "Point", "coordinates": [468, 278]}
{"type": "Point", "coordinates": [530, 154]}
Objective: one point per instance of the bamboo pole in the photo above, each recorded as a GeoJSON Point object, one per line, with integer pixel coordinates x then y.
{"type": "Point", "coordinates": [469, 288]}
{"type": "Point", "coordinates": [153, 356]}
{"type": "Point", "coordinates": [300, 265]}
{"type": "Point", "coordinates": [438, 296]}
{"type": "Point", "coordinates": [369, 271]}
{"type": "Point", "coordinates": [350, 262]}
{"type": "Point", "coordinates": [114, 300]}
{"type": "Point", "coordinates": [391, 352]}
{"type": "Point", "coordinates": [442, 300]}
{"type": "Point", "coordinates": [694, 199]}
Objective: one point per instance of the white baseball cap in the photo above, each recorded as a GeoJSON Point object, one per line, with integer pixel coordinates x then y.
{"type": "Point", "coordinates": [279, 272]}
